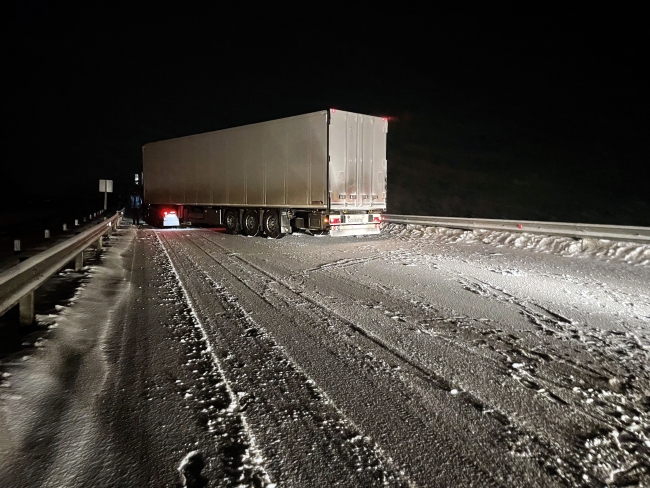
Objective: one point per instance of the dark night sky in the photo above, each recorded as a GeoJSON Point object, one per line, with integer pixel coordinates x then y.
{"type": "Point", "coordinates": [533, 115]}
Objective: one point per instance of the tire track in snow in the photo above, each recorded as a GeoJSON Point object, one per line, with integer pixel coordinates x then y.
{"type": "Point", "coordinates": [428, 376]}
{"type": "Point", "coordinates": [522, 366]}
{"type": "Point", "coordinates": [436, 380]}
{"type": "Point", "coordinates": [554, 324]}
{"type": "Point", "coordinates": [341, 264]}
{"type": "Point", "coordinates": [600, 373]}
{"type": "Point", "coordinates": [275, 370]}
{"type": "Point", "coordinates": [617, 401]}
{"type": "Point", "coordinates": [520, 438]}
{"type": "Point", "coordinates": [253, 472]}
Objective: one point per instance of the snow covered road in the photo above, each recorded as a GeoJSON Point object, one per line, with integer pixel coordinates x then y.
{"type": "Point", "coordinates": [413, 358]}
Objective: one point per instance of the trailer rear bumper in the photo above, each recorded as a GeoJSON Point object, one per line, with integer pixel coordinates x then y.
{"type": "Point", "coordinates": [355, 229]}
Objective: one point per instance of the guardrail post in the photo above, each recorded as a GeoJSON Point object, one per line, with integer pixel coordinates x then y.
{"type": "Point", "coordinates": [79, 261]}
{"type": "Point", "coordinates": [99, 244]}
{"type": "Point", "coordinates": [26, 309]}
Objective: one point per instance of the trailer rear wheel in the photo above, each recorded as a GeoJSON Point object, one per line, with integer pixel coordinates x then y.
{"type": "Point", "coordinates": [231, 220]}
{"type": "Point", "coordinates": [271, 224]}
{"type": "Point", "coordinates": [251, 222]}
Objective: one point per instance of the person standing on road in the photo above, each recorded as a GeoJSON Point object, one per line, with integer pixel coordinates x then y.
{"type": "Point", "coordinates": [136, 203]}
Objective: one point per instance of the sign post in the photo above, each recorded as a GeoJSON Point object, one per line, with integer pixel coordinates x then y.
{"type": "Point", "coordinates": [107, 187]}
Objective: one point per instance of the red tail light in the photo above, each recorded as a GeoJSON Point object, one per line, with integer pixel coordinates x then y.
{"type": "Point", "coordinates": [376, 218]}
{"type": "Point", "coordinates": [335, 219]}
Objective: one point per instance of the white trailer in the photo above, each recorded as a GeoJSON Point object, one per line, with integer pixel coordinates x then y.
{"type": "Point", "coordinates": [319, 172]}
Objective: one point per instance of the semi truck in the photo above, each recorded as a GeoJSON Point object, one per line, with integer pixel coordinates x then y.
{"type": "Point", "coordinates": [322, 172]}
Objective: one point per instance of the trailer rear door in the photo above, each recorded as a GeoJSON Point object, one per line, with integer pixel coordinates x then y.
{"type": "Point", "coordinates": [357, 169]}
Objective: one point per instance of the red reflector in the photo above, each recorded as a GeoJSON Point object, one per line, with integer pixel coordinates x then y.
{"type": "Point", "coordinates": [376, 218]}
{"type": "Point", "coordinates": [335, 220]}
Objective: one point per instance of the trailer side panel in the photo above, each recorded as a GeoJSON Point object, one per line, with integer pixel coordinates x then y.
{"type": "Point", "coordinates": [281, 163]}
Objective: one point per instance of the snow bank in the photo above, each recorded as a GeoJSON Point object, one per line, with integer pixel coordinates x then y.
{"type": "Point", "coordinates": [628, 252]}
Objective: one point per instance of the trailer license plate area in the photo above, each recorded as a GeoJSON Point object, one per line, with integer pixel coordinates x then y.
{"type": "Point", "coordinates": [356, 219]}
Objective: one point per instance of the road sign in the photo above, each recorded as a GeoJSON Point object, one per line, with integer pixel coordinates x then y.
{"type": "Point", "coordinates": [106, 186]}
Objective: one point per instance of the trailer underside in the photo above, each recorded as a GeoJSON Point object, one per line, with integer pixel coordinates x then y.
{"type": "Point", "coordinates": [271, 222]}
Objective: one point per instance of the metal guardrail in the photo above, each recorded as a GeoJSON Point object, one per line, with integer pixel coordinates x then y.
{"type": "Point", "coordinates": [17, 284]}
{"type": "Point", "coordinates": [584, 231]}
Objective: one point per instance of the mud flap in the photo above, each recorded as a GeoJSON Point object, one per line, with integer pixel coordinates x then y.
{"type": "Point", "coordinates": [285, 224]}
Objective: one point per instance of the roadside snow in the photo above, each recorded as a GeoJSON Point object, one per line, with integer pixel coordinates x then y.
{"type": "Point", "coordinates": [627, 252]}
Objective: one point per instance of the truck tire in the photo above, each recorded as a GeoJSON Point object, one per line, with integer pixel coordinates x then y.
{"type": "Point", "coordinates": [251, 222]}
{"type": "Point", "coordinates": [231, 219]}
{"type": "Point", "coordinates": [271, 224]}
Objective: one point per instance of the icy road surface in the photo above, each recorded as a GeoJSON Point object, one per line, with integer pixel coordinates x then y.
{"type": "Point", "coordinates": [415, 358]}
